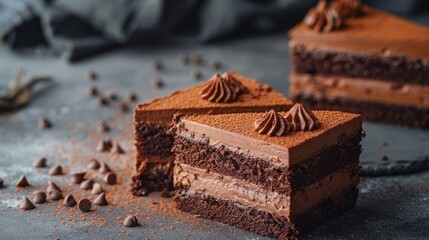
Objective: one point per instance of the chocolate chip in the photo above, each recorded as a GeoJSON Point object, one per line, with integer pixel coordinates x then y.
{"type": "Point", "coordinates": [216, 64]}
{"type": "Point", "coordinates": [26, 204]}
{"type": "Point", "coordinates": [56, 170]}
{"type": "Point", "coordinates": [111, 94]}
{"type": "Point", "coordinates": [384, 158]}
{"type": "Point", "coordinates": [77, 177]}
{"type": "Point", "coordinates": [157, 82]}
{"type": "Point", "coordinates": [55, 195]}
{"type": "Point", "coordinates": [1, 183]}
{"type": "Point", "coordinates": [166, 193]}
{"type": "Point", "coordinates": [104, 168]}
{"type": "Point", "coordinates": [22, 182]}
{"type": "Point", "coordinates": [94, 164]}
{"type": "Point", "coordinates": [44, 123]}
{"type": "Point", "coordinates": [123, 106]}
{"type": "Point", "coordinates": [385, 144]}
{"type": "Point", "coordinates": [40, 163]}
{"type": "Point", "coordinates": [131, 221]}
{"type": "Point", "coordinates": [104, 145]}
{"type": "Point", "coordinates": [84, 205]}
{"type": "Point", "coordinates": [157, 64]}
{"type": "Point", "coordinates": [103, 127]}
{"type": "Point", "coordinates": [96, 189]}
{"type": "Point", "coordinates": [87, 184]}
{"type": "Point", "coordinates": [110, 178]}
{"type": "Point", "coordinates": [183, 58]}
{"type": "Point", "coordinates": [197, 75]}
{"type": "Point", "coordinates": [101, 200]}
{"type": "Point", "coordinates": [131, 96]}
{"type": "Point", "coordinates": [69, 201]}
{"type": "Point", "coordinates": [91, 75]}
{"type": "Point", "coordinates": [52, 186]}
{"type": "Point", "coordinates": [39, 197]}
{"type": "Point", "coordinates": [197, 59]}
{"type": "Point", "coordinates": [117, 149]}
{"type": "Point", "coordinates": [102, 101]}
{"type": "Point", "coordinates": [92, 91]}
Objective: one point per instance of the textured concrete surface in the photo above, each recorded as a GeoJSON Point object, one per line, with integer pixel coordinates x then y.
{"type": "Point", "coordinates": [390, 207]}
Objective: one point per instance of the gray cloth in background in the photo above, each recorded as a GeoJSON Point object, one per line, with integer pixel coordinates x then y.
{"type": "Point", "coordinates": [76, 29]}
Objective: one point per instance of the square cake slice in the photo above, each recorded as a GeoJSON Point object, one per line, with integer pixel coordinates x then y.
{"type": "Point", "coordinates": [295, 171]}
{"type": "Point", "coordinates": [227, 93]}
{"type": "Point", "coordinates": [372, 63]}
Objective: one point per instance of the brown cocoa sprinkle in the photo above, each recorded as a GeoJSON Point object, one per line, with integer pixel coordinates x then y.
{"type": "Point", "coordinates": [102, 101]}
{"type": "Point", "coordinates": [55, 195]}
{"type": "Point", "coordinates": [56, 170]}
{"type": "Point", "coordinates": [157, 65]}
{"type": "Point", "coordinates": [52, 186]}
{"type": "Point", "coordinates": [103, 127]}
{"type": "Point", "coordinates": [1, 183]}
{"type": "Point", "coordinates": [91, 75]}
{"type": "Point", "coordinates": [87, 184]}
{"type": "Point", "coordinates": [183, 58]}
{"type": "Point", "coordinates": [94, 164]}
{"type": "Point", "coordinates": [101, 200]}
{"type": "Point", "coordinates": [40, 163]}
{"type": "Point", "coordinates": [69, 201]}
{"type": "Point", "coordinates": [92, 91]}
{"type": "Point", "coordinates": [22, 182]}
{"type": "Point", "coordinates": [157, 82]}
{"type": "Point", "coordinates": [197, 59]}
{"type": "Point", "coordinates": [197, 75]}
{"type": "Point", "coordinates": [216, 64]}
{"type": "Point", "coordinates": [104, 145]}
{"type": "Point", "coordinates": [117, 149]}
{"type": "Point", "coordinates": [77, 177]}
{"type": "Point", "coordinates": [104, 168]}
{"type": "Point", "coordinates": [111, 94]}
{"type": "Point", "coordinates": [44, 123]}
{"type": "Point", "coordinates": [39, 197]}
{"type": "Point", "coordinates": [384, 158]}
{"type": "Point", "coordinates": [131, 221]}
{"type": "Point", "coordinates": [96, 189]}
{"type": "Point", "coordinates": [26, 204]}
{"type": "Point", "coordinates": [84, 205]}
{"type": "Point", "coordinates": [110, 178]}
{"type": "Point", "coordinates": [123, 106]}
{"type": "Point", "coordinates": [131, 96]}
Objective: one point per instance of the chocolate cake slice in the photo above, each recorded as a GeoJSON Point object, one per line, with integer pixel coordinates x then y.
{"type": "Point", "coordinates": [275, 174]}
{"type": "Point", "coordinates": [227, 93]}
{"type": "Point", "coordinates": [370, 62]}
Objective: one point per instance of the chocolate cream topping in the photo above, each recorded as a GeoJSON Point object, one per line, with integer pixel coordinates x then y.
{"type": "Point", "coordinates": [272, 124]}
{"type": "Point", "coordinates": [323, 18]}
{"type": "Point", "coordinates": [222, 89]}
{"type": "Point", "coordinates": [300, 118]}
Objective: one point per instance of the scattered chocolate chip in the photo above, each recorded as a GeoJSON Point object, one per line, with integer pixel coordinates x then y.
{"type": "Point", "coordinates": [69, 201]}
{"type": "Point", "coordinates": [385, 144]}
{"type": "Point", "coordinates": [197, 75]}
{"type": "Point", "coordinates": [111, 94]}
{"type": "Point", "coordinates": [22, 182]}
{"type": "Point", "coordinates": [84, 205]}
{"type": "Point", "coordinates": [384, 158]}
{"type": "Point", "coordinates": [197, 59]}
{"type": "Point", "coordinates": [157, 82]}
{"type": "Point", "coordinates": [104, 145]}
{"type": "Point", "coordinates": [102, 101]}
{"type": "Point", "coordinates": [1, 183]}
{"type": "Point", "coordinates": [96, 189]}
{"type": "Point", "coordinates": [183, 58]}
{"type": "Point", "coordinates": [52, 186]}
{"type": "Point", "coordinates": [123, 106]}
{"type": "Point", "coordinates": [26, 204]}
{"type": "Point", "coordinates": [131, 96]}
{"type": "Point", "coordinates": [87, 184]}
{"type": "Point", "coordinates": [40, 163]}
{"type": "Point", "coordinates": [56, 170]}
{"type": "Point", "coordinates": [117, 149]}
{"type": "Point", "coordinates": [110, 178]}
{"type": "Point", "coordinates": [94, 164]}
{"type": "Point", "coordinates": [103, 127]}
{"type": "Point", "coordinates": [92, 91]}
{"type": "Point", "coordinates": [166, 193]}
{"type": "Point", "coordinates": [77, 177]}
{"type": "Point", "coordinates": [131, 221]}
{"type": "Point", "coordinates": [216, 64]}
{"type": "Point", "coordinates": [157, 64]}
{"type": "Point", "coordinates": [44, 123]}
{"type": "Point", "coordinates": [39, 197]}
{"type": "Point", "coordinates": [101, 200]}
{"type": "Point", "coordinates": [104, 168]}
{"type": "Point", "coordinates": [55, 195]}
{"type": "Point", "coordinates": [91, 75]}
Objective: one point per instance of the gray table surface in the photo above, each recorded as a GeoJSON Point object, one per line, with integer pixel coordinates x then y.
{"type": "Point", "coordinates": [389, 207]}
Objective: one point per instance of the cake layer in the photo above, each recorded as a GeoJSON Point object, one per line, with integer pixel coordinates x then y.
{"type": "Point", "coordinates": [236, 130]}
{"type": "Point", "coordinates": [239, 163]}
{"type": "Point", "coordinates": [251, 195]}
{"type": "Point", "coordinates": [256, 98]}
{"type": "Point", "coordinates": [262, 222]}
{"type": "Point", "coordinates": [371, 111]}
{"type": "Point", "coordinates": [358, 89]}
{"type": "Point", "coordinates": [152, 140]}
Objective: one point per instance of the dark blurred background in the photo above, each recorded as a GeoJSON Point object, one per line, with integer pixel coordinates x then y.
{"type": "Point", "coordinates": [77, 29]}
